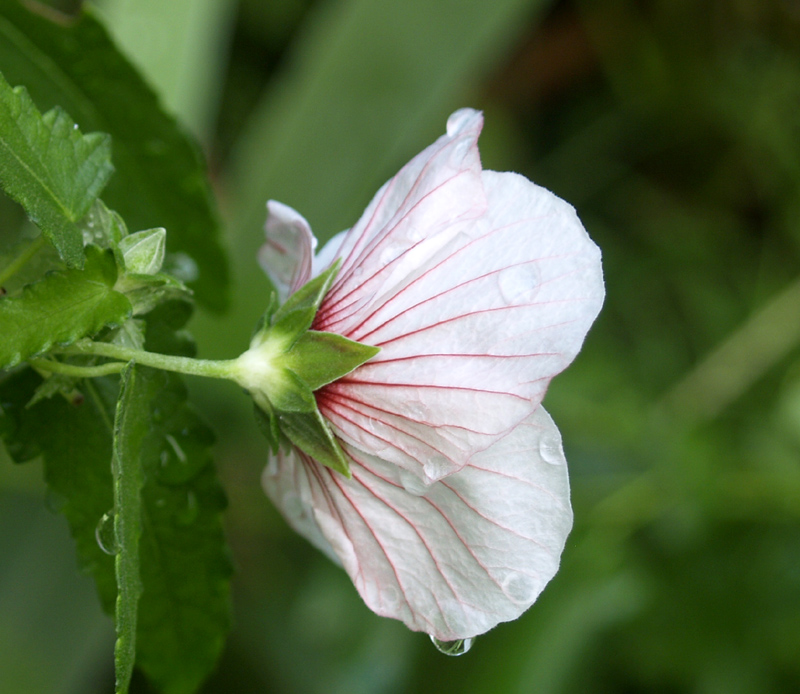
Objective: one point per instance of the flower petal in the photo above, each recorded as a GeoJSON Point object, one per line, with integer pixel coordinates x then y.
{"type": "Point", "coordinates": [408, 211]}
{"type": "Point", "coordinates": [473, 550]}
{"type": "Point", "coordinates": [287, 255]}
{"type": "Point", "coordinates": [472, 323]}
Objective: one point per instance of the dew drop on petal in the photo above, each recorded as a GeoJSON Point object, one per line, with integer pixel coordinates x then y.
{"type": "Point", "coordinates": [519, 588]}
{"type": "Point", "coordinates": [104, 534]}
{"type": "Point", "coordinates": [292, 506]}
{"type": "Point", "coordinates": [390, 597]}
{"type": "Point", "coordinates": [436, 467]}
{"type": "Point", "coordinates": [550, 451]}
{"type": "Point", "coordinates": [413, 484]}
{"type": "Point", "coordinates": [518, 284]}
{"type": "Point", "coordinates": [457, 647]}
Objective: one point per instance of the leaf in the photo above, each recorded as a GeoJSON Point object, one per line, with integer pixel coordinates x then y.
{"type": "Point", "coordinates": [185, 569]}
{"type": "Point", "coordinates": [61, 308]}
{"type": "Point", "coordinates": [160, 179]}
{"type": "Point", "coordinates": [75, 445]}
{"type": "Point", "coordinates": [50, 168]}
{"type": "Point", "coordinates": [131, 426]}
{"type": "Point", "coordinates": [183, 613]}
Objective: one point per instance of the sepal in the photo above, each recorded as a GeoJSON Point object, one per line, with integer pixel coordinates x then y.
{"type": "Point", "coordinates": [312, 435]}
{"type": "Point", "coordinates": [321, 358]}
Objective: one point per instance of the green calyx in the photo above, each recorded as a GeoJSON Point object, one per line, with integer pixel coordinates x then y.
{"type": "Point", "coordinates": [287, 362]}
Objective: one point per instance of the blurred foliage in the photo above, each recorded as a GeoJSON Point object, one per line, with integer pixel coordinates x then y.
{"type": "Point", "coordinates": [672, 126]}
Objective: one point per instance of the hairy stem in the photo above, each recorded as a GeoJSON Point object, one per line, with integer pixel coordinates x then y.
{"type": "Point", "coordinates": [227, 369]}
{"type": "Point", "coordinates": [58, 367]}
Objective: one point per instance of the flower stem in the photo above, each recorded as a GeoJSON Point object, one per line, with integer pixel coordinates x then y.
{"type": "Point", "coordinates": [227, 369]}
{"type": "Point", "coordinates": [58, 367]}
{"type": "Point", "coordinates": [17, 264]}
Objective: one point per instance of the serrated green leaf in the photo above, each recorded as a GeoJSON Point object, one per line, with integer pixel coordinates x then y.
{"type": "Point", "coordinates": [183, 614]}
{"type": "Point", "coordinates": [50, 168]}
{"type": "Point", "coordinates": [75, 444]}
{"type": "Point", "coordinates": [160, 179]}
{"type": "Point", "coordinates": [185, 569]}
{"type": "Point", "coordinates": [320, 358]}
{"type": "Point", "coordinates": [61, 308]}
{"type": "Point", "coordinates": [131, 426]}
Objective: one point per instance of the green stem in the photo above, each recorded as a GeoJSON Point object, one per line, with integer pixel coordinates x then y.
{"type": "Point", "coordinates": [17, 264]}
{"type": "Point", "coordinates": [58, 367]}
{"type": "Point", "coordinates": [227, 368]}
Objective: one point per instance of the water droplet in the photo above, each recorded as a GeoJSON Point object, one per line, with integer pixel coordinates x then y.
{"type": "Point", "coordinates": [175, 466]}
{"type": "Point", "coordinates": [436, 467]}
{"type": "Point", "coordinates": [550, 451]}
{"type": "Point", "coordinates": [520, 589]}
{"type": "Point", "coordinates": [53, 501]}
{"type": "Point", "coordinates": [292, 506]}
{"type": "Point", "coordinates": [104, 534]}
{"type": "Point", "coordinates": [187, 510]}
{"type": "Point", "coordinates": [457, 647]}
{"type": "Point", "coordinates": [390, 597]}
{"type": "Point", "coordinates": [413, 484]}
{"type": "Point", "coordinates": [182, 266]}
{"type": "Point", "coordinates": [388, 255]}
{"type": "Point", "coordinates": [518, 284]}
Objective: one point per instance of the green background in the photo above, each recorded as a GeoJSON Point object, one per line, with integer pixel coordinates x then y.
{"type": "Point", "coordinates": [674, 128]}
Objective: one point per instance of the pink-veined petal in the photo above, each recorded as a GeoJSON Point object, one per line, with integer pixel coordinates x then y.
{"type": "Point", "coordinates": [472, 324]}
{"type": "Point", "coordinates": [288, 253]}
{"type": "Point", "coordinates": [412, 215]}
{"type": "Point", "coordinates": [473, 550]}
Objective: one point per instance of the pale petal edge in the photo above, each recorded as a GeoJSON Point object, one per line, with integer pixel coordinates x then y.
{"type": "Point", "coordinates": [469, 552]}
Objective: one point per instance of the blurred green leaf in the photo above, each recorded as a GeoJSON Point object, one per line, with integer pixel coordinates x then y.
{"type": "Point", "coordinates": [183, 615]}
{"type": "Point", "coordinates": [179, 46]}
{"type": "Point", "coordinates": [160, 179]}
{"type": "Point", "coordinates": [61, 308]}
{"type": "Point", "coordinates": [50, 168]}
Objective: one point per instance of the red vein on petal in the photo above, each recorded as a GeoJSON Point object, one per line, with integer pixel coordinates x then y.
{"type": "Point", "coordinates": [422, 539]}
{"type": "Point", "coordinates": [374, 245]}
{"type": "Point", "coordinates": [349, 263]}
{"type": "Point", "coordinates": [369, 527]}
{"type": "Point", "coordinates": [492, 521]}
{"type": "Point", "coordinates": [393, 444]}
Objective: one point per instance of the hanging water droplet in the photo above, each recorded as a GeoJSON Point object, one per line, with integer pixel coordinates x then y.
{"type": "Point", "coordinates": [187, 510]}
{"type": "Point", "coordinates": [457, 647]}
{"type": "Point", "coordinates": [104, 534]}
{"type": "Point", "coordinates": [53, 501]}
{"type": "Point", "coordinates": [176, 467]}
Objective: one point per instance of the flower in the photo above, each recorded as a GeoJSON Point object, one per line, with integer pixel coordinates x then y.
{"type": "Point", "coordinates": [478, 287]}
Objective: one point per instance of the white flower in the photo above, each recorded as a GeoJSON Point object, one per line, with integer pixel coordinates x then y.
{"type": "Point", "coordinates": [478, 287]}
